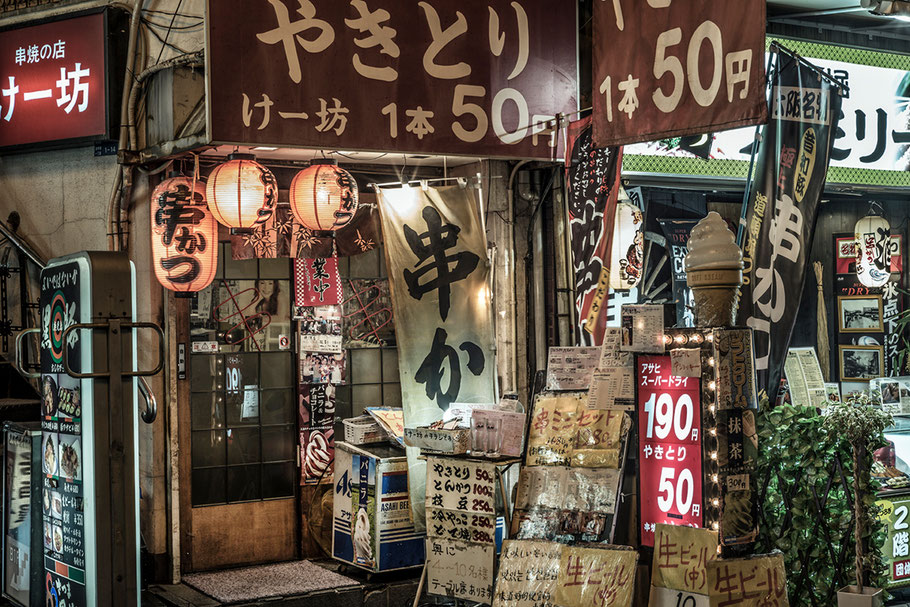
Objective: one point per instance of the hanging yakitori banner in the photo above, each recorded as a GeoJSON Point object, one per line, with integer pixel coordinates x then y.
{"type": "Point", "coordinates": [593, 181]}
{"type": "Point", "coordinates": [436, 252]}
{"type": "Point", "coordinates": [677, 67]}
{"type": "Point", "coordinates": [783, 205]}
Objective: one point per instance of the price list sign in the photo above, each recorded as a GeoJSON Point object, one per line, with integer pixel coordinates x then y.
{"type": "Point", "coordinates": [670, 458]}
{"type": "Point", "coordinates": [461, 519]}
{"type": "Point", "coordinates": [677, 67]}
{"type": "Point", "coordinates": [61, 425]}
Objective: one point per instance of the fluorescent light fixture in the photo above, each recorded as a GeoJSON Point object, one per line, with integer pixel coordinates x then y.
{"type": "Point", "coordinates": [899, 9]}
{"type": "Point", "coordinates": [264, 148]}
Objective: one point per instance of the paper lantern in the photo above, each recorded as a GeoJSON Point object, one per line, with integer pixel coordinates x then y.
{"type": "Point", "coordinates": [323, 196]}
{"type": "Point", "coordinates": [241, 192]}
{"type": "Point", "coordinates": [184, 235]}
{"type": "Point", "coordinates": [628, 245]}
{"type": "Point", "coordinates": [872, 235]}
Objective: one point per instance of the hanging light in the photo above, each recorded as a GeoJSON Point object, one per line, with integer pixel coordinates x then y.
{"type": "Point", "coordinates": [872, 236]}
{"type": "Point", "coordinates": [184, 235]}
{"type": "Point", "coordinates": [241, 192]}
{"type": "Point", "coordinates": [323, 196]}
{"type": "Point", "coordinates": [628, 244]}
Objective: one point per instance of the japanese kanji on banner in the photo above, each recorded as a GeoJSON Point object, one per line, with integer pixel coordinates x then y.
{"type": "Point", "coordinates": [317, 282]}
{"type": "Point", "coordinates": [436, 253]}
{"type": "Point", "coordinates": [790, 171]}
{"type": "Point", "coordinates": [593, 178]}
{"type": "Point", "coordinates": [596, 576]}
{"type": "Point", "coordinates": [665, 68]}
{"type": "Point", "coordinates": [469, 78]}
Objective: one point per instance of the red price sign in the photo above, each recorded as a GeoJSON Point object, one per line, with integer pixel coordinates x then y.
{"type": "Point", "coordinates": [669, 439]}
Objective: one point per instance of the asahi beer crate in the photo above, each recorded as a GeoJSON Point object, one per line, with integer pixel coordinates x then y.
{"type": "Point", "coordinates": [372, 525]}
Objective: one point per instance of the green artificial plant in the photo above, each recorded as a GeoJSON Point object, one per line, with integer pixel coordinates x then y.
{"type": "Point", "coordinates": [860, 422]}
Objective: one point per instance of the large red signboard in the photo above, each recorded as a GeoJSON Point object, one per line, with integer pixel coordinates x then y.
{"type": "Point", "coordinates": [677, 67]}
{"type": "Point", "coordinates": [469, 78]}
{"type": "Point", "coordinates": [52, 81]}
{"type": "Point", "coordinates": [669, 442]}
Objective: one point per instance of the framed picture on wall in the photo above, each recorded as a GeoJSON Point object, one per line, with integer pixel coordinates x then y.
{"type": "Point", "coordinates": [860, 314]}
{"type": "Point", "coordinates": [861, 363]}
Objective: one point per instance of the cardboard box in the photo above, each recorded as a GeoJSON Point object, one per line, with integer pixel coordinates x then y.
{"type": "Point", "coordinates": [451, 442]}
{"type": "Point", "coordinates": [372, 525]}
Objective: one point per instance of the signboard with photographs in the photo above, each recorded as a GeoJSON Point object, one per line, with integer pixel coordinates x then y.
{"type": "Point", "coordinates": [894, 514]}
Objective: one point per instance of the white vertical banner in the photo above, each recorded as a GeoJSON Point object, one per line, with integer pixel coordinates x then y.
{"type": "Point", "coordinates": [436, 253]}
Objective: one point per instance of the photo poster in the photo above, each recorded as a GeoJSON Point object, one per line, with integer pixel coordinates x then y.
{"type": "Point", "coordinates": [894, 394]}
{"type": "Point", "coordinates": [893, 302]}
{"type": "Point", "coordinates": [316, 417]}
{"type": "Point", "coordinates": [461, 520]}
{"type": "Point", "coordinates": [436, 255]}
{"type": "Point", "coordinates": [591, 576]}
{"type": "Point", "coordinates": [804, 378]}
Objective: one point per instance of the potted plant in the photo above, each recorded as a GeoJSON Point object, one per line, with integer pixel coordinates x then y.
{"type": "Point", "coordinates": [861, 422]}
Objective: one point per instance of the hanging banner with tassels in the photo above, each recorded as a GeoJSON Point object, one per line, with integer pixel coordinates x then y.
{"type": "Point", "coordinates": [593, 183]}
{"type": "Point", "coordinates": [780, 218]}
{"type": "Point", "coordinates": [436, 253]}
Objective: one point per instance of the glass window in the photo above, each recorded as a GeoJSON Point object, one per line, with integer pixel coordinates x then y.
{"type": "Point", "coordinates": [243, 404]}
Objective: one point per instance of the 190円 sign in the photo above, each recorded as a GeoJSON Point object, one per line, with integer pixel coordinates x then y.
{"type": "Point", "coordinates": [676, 67]}
{"type": "Point", "coordinates": [473, 78]}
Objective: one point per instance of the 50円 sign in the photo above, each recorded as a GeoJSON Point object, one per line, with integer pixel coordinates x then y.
{"type": "Point", "coordinates": [676, 67]}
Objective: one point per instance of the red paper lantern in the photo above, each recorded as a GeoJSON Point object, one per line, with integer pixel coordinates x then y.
{"type": "Point", "coordinates": [184, 235]}
{"type": "Point", "coordinates": [323, 196]}
{"type": "Point", "coordinates": [241, 192]}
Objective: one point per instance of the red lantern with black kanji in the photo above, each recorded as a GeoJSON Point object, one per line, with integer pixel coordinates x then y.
{"type": "Point", "coordinates": [184, 235]}
{"type": "Point", "coordinates": [241, 193]}
{"type": "Point", "coordinates": [323, 196]}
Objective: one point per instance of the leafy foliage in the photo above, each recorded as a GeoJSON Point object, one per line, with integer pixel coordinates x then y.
{"type": "Point", "coordinates": [806, 505]}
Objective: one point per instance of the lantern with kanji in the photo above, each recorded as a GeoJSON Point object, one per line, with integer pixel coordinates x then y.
{"type": "Point", "coordinates": [184, 236]}
{"type": "Point", "coordinates": [241, 193]}
{"type": "Point", "coordinates": [872, 236]}
{"type": "Point", "coordinates": [323, 196]}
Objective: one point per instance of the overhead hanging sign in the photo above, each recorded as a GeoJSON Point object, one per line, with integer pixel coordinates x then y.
{"type": "Point", "coordinates": [677, 68]}
{"type": "Point", "coordinates": [479, 79]}
{"type": "Point", "coordinates": [53, 81]}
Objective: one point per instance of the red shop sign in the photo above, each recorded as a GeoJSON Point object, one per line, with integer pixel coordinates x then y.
{"type": "Point", "coordinates": [669, 443]}
{"type": "Point", "coordinates": [53, 81]}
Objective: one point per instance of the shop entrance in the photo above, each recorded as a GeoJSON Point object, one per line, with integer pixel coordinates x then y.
{"type": "Point", "coordinates": [238, 414]}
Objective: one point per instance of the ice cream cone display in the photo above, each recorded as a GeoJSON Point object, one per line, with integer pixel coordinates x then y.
{"type": "Point", "coordinates": [714, 272]}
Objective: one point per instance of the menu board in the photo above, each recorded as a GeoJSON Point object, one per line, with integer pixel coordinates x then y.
{"type": "Point", "coordinates": [669, 438]}
{"type": "Point", "coordinates": [804, 377]}
{"type": "Point", "coordinates": [461, 528]}
{"type": "Point", "coordinates": [63, 402]}
{"type": "Point", "coordinates": [681, 556]}
{"type": "Point", "coordinates": [571, 368]}
{"type": "Point", "coordinates": [528, 571]}
{"type": "Point", "coordinates": [596, 576]}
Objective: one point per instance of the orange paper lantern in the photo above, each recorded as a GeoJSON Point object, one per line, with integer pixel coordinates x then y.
{"type": "Point", "coordinates": [241, 192]}
{"type": "Point", "coordinates": [184, 236]}
{"type": "Point", "coordinates": [323, 196]}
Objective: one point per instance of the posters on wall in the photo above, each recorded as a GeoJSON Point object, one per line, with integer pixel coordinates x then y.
{"type": "Point", "coordinates": [316, 416]}
{"type": "Point", "coordinates": [593, 184]}
{"type": "Point", "coordinates": [472, 80]}
{"type": "Point", "coordinates": [677, 68]}
{"type": "Point", "coordinates": [591, 575]}
{"type": "Point", "coordinates": [571, 368]}
{"type": "Point", "coordinates": [316, 282]}
{"type": "Point", "coordinates": [804, 378]}
{"type": "Point", "coordinates": [436, 255]}
{"type": "Point", "coordinates": [677, 234]}
{"type": "Point", "coordinates": [790, 172]}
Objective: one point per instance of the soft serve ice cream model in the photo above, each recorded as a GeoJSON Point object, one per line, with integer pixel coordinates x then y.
{"type": "Point", "coordinates": [363, 549]}
{"type": "Point", "coordinates": [714, 272]}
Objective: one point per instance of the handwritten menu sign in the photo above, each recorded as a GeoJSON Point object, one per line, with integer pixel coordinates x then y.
{"type": "Point", "coordinates": [681, 556]}
{"type": "Point", "coordinates": [511, 424]}
{"type": "Point", "coordinates": [461, 528]}
{"type": "Point", "coordinates": [61, 425]}
{"type": "Point", "coordinates": [596, 576]}
{"type": "Point", "coordinates": [685, 362]}
{"type": "Point", "coordinates": [565, 432]}
{"type": "Point", "coordinates": [528, 571]}
{"type": "Point", "coordinates": [735, 363]}
{"type": "Point", "coordinates": [758, 581]}
{"type": "Point", "coordinates": [642, 328]}
{"type": "Point", "coordinates": [571, 368]}
{"type": "Point", "coordinates": [460, 569]}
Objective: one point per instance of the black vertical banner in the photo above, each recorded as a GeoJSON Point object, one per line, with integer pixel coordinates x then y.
{"type": "Point", "coordinates": [783, 206]}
